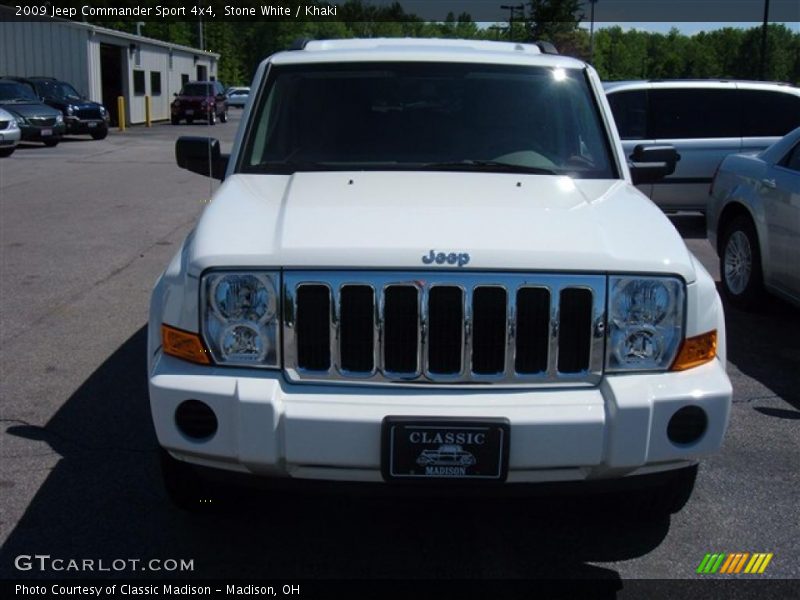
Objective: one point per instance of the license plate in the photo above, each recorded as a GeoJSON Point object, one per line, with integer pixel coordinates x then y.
{"type": "Point", "coordinates": [190, 112]}
{"type": "Point", "coordinates": [436, 449]}
{"type": "Point", "coordinates": [92, 124]}
{"type": "Point", "coordinates": [46, 132]}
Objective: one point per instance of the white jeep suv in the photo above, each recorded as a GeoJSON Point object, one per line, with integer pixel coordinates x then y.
{"type": "Point", "coordinates": [427, 243]}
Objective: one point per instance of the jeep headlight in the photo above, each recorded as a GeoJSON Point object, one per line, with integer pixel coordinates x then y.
{"type": "Point", "coordinates": [69, 110]}
{"type": "Point", "coordinates": [59, 118]}
{"type": "Point", "coordinates": [240, 317]}
{"type": "Point", "coordinates": [645, 322]}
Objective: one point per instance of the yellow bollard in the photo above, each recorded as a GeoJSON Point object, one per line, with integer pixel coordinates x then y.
{"type": "Point", "coordinates": [121, 112]}
{"type": "Point", "coordinates": [147, 111]}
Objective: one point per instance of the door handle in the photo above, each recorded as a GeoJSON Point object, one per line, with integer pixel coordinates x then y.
{"type": "Point", "coordinates": [769, 183]}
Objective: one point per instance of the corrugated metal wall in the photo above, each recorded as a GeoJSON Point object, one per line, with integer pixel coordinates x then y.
{"type": "Point", "coordinates": [47, 49]}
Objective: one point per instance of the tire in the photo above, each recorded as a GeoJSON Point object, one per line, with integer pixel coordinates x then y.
{"type": "Point", "coordinates": [6, 152]}
{"type": "Point", "coordinates": [100, 134]}
{"type": "Point", "coordinates": [223, 118]}
{"type": "Point", "coordinates": [52, 142]}
{"type": "Point", "coordinates": [740, 264]}
{"type": "Point", "coordinates": [185, 488]}
{"type": "Point", "coordinates": [212, 118]}
{"type": "Point", "coordinates": [175, 120]}
{"type": "Point", "coordinates": [189, 120]}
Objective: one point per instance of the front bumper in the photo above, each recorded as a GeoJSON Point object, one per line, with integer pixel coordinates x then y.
{"type": "Point", "coordinates": [75, 125]}
{"type": "Point", "coordinates": [270, 427]}
{"type": "Point", "coordinates": [35, 133]}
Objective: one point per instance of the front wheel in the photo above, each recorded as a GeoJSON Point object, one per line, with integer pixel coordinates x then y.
{"type": "Point", "coordinates": [212, 118]}
{"type": "Point", "coordinates": [175, 120]}
{"type": "Point", "coordinates": [52, 142]}
{"type": "Point", "coordinates": [223, 118]}
{"type": "Point", "coordinates": [100, 134]}
{"type": "Point", "coordinates": [6, 152]}
{"type": "Point", "coordinates": [740, 263]}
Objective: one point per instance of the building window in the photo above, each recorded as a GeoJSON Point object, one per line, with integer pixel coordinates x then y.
{"type": "Point", "coordinates": [138, 83]}
{"type": "Point", "coordinates": [184, 79]}
{"type": "Point", "coordinates": [155, 83]}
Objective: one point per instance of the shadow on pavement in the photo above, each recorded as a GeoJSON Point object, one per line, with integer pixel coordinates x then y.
{"type": "Point", "coordinates": [689, 225]}
{"type": "Point", "coordinates": [104, 499]}
{"type": "Point", "coordinates": [763, 345]}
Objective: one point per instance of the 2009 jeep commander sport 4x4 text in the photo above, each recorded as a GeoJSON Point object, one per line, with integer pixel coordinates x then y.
{"type": "Point", "coordinates": [428, 265]}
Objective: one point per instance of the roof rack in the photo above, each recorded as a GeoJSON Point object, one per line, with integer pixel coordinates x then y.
{"type": "Point", "coordinates": [299, 44]}
{"type": "Point", "coordinates": [546, 47]}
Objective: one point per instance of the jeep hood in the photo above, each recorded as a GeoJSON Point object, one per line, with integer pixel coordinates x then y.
{"type": "Point", "coordinates": [391, 219]}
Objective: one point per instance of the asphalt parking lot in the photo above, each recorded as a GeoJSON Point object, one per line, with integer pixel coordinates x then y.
{"type": "Point", "coordinates": [85, 229]}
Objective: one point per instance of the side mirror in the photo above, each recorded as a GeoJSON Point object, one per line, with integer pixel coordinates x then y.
{"type": "Point", "coordinates": [652, 163]}
{"type": "Point", "coordinates": [201, 155]}
{"type": "Point", "coordinates": [175, 94]}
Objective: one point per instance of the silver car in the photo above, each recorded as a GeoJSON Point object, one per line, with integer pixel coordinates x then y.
{"type": "Point", "coordinates": [705, 121]}
{"type": "Point", "coordinates": [10, 133]}
{"type": "Point", "coordinates": [237, 96]}
{"type": "Point", "coordinates": [754, 222]}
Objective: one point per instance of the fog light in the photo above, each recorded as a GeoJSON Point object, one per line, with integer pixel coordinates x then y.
{"type": "Point", "coordinates": [195, 419]}
{"type": "Point", "coordinates": [687, 425]}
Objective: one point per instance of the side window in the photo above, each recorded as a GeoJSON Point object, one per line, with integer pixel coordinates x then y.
{"type": "Point", "coordinates": [138, 83]}
{"type": "Point", "coordinates": [766, 113]}
{"type": "Point", "coordinates": [792, 160]}
{"type": "Point", "coordinates": [630, 113]}
{"type": "Point", "coordinates": [694, 113]}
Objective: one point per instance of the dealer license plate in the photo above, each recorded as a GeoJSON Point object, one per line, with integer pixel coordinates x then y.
{"type": "Point", "coordinates": [419, 448]}
{"type": "Point", "coordinates": [189, 112]}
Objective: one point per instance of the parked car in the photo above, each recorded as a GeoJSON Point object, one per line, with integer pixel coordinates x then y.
{"type": "Point", "coordinates": [237, 96]}
{"type": "Point", "coordinates": [754, 223]}
{"type": "Point", "coordinates": [431, 242]}
{"type": "Point", "coordinates": [10, 133]}
{"type": "Point", "coordinates": [37, 122]}
{"type": "Point", "coordinates": [446, 455]}
{"type": "Point", "coordinates": [203, 100]}
{"type": "Point", "coordinates": [705, 120]}
{"type": "Point", "coordinates": [81, 115]}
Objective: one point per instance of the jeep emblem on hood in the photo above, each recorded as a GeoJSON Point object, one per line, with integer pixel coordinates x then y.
{"type": "Point", "coordinates": [441, 258]}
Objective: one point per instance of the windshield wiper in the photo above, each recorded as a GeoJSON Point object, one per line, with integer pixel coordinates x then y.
{"type": "Point", "coordinates": [489, 166]}
{"type": "Point", "coordinates": [289, 166]}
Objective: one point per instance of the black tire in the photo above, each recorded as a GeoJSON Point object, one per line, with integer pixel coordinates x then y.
{"type": "Point", "coordinates": [740, 264]}
{"type": "Point", "coordinates": [175, 120]}
{"type": "Point", "coordinates": [185, 488]}
{"type": "Point", "coordinates": [100, 134]}
{"type": "Point", "coordinates": [189, 120]}
{"type": "Point", "coordinates": [212, 118]}
{"type": "Point", "coordinates": [223, 118]}
{"type": "Point", "coordinates": [52, 142]}
{"type": "Point", "coordinates": [6, 152]}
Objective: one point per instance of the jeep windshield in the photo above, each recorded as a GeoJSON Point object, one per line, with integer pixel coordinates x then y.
{"type": "Point", "coordinates": [58, 90]}
{"type": "Point", "coordinates": [426, 116]}
{"type": "Point", "coordinates": [197, 89]}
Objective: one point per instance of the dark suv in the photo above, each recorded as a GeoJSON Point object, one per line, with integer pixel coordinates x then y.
{"type": "Point", "coordinates": [204, 100]}
{"type": "Point", "coordinates": [37, 121]}
{"type": "Point", "coordinates": [81, 115]}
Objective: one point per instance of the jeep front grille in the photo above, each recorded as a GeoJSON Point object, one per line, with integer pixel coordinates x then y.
{"type": "Point", "coordinates": [444, 327]}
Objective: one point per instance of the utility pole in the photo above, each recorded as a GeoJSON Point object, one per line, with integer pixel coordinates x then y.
{"type": "Point", "coordinates": [763, 59]}
{"type": "Point", "coordinates": [591, 33]}
{"type": "Point", "coordinates": [511, 8]}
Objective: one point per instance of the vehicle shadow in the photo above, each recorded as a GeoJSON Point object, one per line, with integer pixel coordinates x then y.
{"type": "Point", "coordinates": [763, 345]}
{"type": "Point", "coordinates": [104, 499]}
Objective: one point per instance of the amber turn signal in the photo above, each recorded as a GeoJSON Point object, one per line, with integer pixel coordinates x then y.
{"type": "Point", "coordinates": [185, 345]}
{"type": "Point", "coordinates": [696, 351]}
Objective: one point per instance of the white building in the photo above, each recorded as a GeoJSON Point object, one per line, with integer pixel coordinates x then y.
{"type": "Point", "coordinates": [102, 63]}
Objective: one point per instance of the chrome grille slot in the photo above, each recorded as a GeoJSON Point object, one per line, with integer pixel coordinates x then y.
{"type": "Point", "coordinates": [357, 328]}
{"type": "Point", "coordinates": [444, 327]}
{"type": "Point", "coordinates": [489, 330]}
{"type": "Point", "coordinates": [575, 327]}
{"type": "Point", "coordinates": [401, 329]}
{"type": "Point", "coordinates": [313, 331]}
{"type": "Point", "coordinates": [533, 327]}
